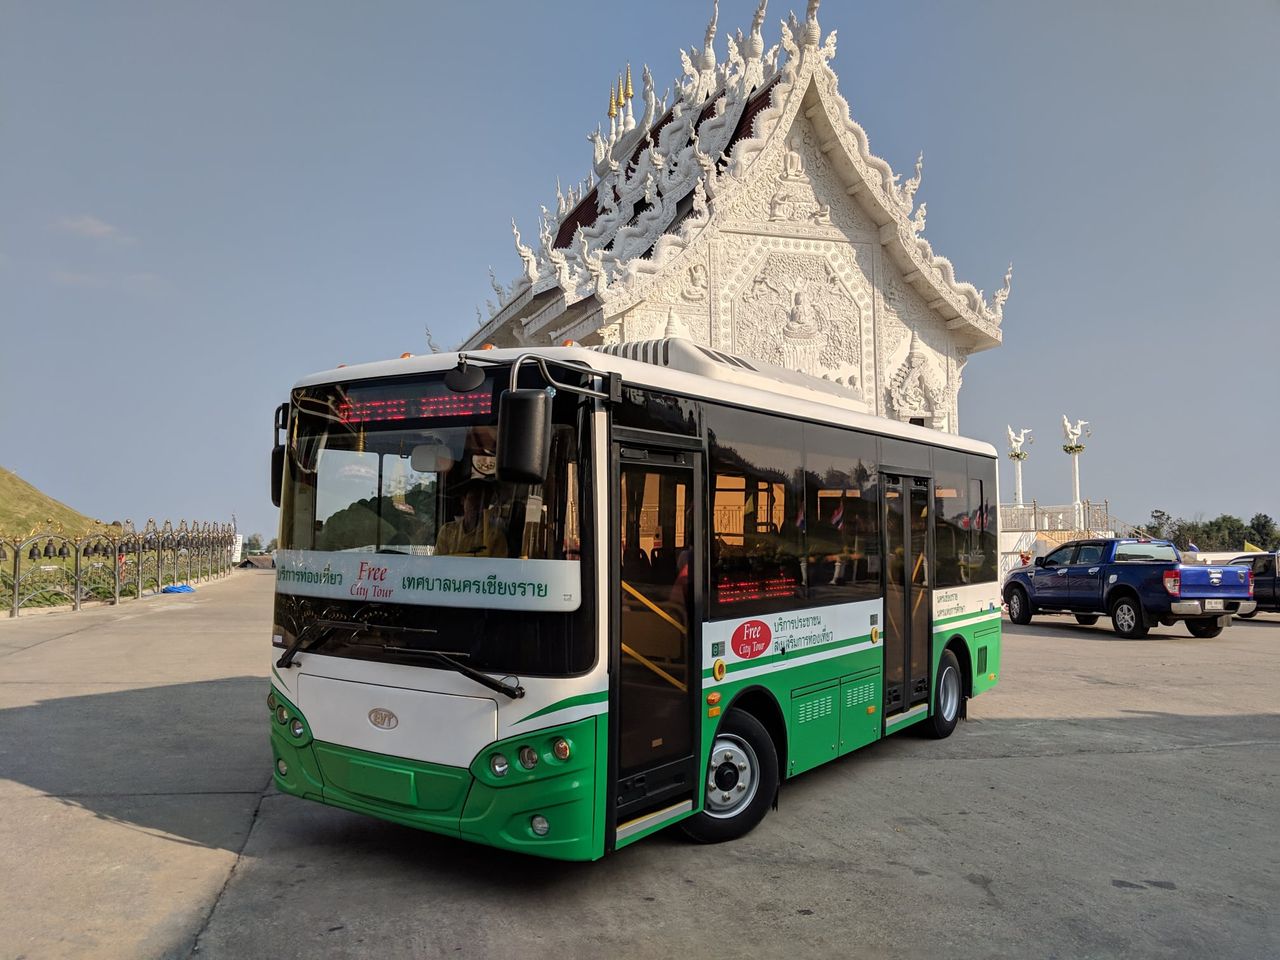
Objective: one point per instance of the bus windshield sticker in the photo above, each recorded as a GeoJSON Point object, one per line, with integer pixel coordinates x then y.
{"type": "Point", "coordinates": [489, 582]}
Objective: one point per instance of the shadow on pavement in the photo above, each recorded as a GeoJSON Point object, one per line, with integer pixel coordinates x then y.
{"type": "Point", "coordinates": [132, 756]}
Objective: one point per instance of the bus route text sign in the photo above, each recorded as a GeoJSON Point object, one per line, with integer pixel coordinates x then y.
{"type": "Point", "coordinates": [489, 582]}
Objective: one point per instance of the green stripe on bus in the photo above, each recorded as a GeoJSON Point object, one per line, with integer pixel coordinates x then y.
{"type": "Point", "coordinates": [278, 677]}
{"type": "Point", "coordinates": [792, 655]}
{"type": "Point", "coordinates": [963, 616]}
{"type": "Point", "coordinates": [597, 696]}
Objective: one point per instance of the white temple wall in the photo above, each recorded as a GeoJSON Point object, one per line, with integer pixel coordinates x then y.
{"type": "Point", "coordinates": [795, 234]}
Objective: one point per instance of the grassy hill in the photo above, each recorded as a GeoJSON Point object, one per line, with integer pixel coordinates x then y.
{"type": "Point", "coordinates": [22, 507]}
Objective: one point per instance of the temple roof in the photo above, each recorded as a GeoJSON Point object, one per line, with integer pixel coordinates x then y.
{"type": "Point", "coordinates": [655, 183]}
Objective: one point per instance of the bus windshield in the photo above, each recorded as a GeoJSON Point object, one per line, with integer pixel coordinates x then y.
{"type": "Point", "coordinates": [394, 525]}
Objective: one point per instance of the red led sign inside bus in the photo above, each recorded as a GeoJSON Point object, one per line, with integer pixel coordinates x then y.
{"type": "Point", "coordinates": [358, 410]}
{"type": "Point", "coordinates": [751, 639]}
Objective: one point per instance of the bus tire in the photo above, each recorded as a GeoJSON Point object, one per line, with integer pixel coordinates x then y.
{"type": "Point", "coordinates": [1205, 629]}
{"type": "Point", "coordinates": [948, 697]}
{"type": "Point", "coordinates": [1019, 606]}
{"type": "Point", "coordinates": [1086, 619]}
{"type": "Point", "coordinates": [1128, 619]}
{"type": "Point", "coordinates": [744, 768]}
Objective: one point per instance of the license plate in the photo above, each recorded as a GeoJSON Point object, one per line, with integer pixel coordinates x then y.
{"type": "Point", "coordinates": [1213, 605]}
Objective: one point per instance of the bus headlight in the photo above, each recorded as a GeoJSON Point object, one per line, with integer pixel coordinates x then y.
{"type": "Point", "coordinates": [498, 765]}
{"type": "Point", "coordinates": [282, 767]}
{"type": "Point", "coordinates": [296, 728]}
{"type": "Point", "coordinates": [282, 715]}
{"type": "Point", "coordinates": [528, 757]}
{"type": "Point", "coordinates": [560, 748]}
{"type": "Point", "coordinates": [538, 824]}
{"type": "Point", "coordinates": [272, 702]}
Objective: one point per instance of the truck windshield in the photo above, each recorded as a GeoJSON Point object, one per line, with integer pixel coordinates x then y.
{"type": "Point", "coordinates": [393, 520]}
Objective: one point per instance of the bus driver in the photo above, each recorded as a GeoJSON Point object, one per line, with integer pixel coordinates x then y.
{"type": "Point", "coordinates": [477, 533]}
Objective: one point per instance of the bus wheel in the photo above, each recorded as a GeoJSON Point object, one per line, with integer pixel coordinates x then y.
{"type": "Point", "coordinates": [742, 780]}
{"type": "Point", "coordinates": [947, 697]}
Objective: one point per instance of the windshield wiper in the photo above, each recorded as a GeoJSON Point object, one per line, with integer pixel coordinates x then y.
{"type": "Point", "coordinates": [286, 659]}
{"type": "Point", "coordinates": [513, 690]}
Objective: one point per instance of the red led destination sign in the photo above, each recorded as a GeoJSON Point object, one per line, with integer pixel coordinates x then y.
{"type": "Point", "coordinates": [379, 404]}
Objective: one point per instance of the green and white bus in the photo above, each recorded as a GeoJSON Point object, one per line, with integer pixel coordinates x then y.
{"type": "Point", "coordinates": [558, 599]}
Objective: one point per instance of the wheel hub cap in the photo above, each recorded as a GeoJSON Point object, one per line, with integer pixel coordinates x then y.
{"type": "Point", "coordinates": [732, 777]}
{"type": "Point", "coordinates": [949, 694]}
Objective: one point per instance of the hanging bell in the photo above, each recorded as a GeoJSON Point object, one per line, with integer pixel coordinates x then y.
{"type": "Point", "coordinates": [48, 549]}
{"type": "Point", "coordinates": [34, 553]}
{"type": "Point", "coordinates": [63, 552]}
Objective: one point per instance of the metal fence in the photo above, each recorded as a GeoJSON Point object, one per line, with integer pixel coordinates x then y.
{"type": "Point", "coordinates": [49, 567]}
{"type": "Point", "coordinates": [1090, 519]}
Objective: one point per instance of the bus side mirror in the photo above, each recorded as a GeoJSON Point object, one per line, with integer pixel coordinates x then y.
{"type": "Point", "coordinates": [277, 472]}
{"type": "Point", "coordinates": [524, 436]}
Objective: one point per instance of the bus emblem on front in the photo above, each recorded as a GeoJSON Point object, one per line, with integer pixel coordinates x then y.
{"type": "Point", "coordinates": [383, 719]}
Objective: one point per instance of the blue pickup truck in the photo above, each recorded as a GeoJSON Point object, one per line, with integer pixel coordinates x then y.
{"type": "Point", "coordinates": [1137, 583]}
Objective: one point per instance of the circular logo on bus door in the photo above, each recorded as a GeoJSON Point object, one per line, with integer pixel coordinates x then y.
{"type": "Point", "coordinates": [383, 719]}
{"type": "Point", "coordinates": [751, 639]}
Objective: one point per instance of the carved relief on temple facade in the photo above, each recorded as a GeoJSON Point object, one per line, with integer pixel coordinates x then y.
{"type": "Point", "coordinates": [803, 304]}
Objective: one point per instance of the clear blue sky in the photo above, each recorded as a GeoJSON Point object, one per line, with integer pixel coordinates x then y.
{"type": "Point", "coordinates": [200, 203]}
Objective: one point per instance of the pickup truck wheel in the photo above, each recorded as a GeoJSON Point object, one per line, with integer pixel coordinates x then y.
{"type": "Point", "coordinates": [1019, 606]}
{"type": "Point", "coordinates": [1127, 619]}
{"type": "Point", "coordinates": [1205, 629]}
{"type": "Point", "coordinates": [1086, 619]}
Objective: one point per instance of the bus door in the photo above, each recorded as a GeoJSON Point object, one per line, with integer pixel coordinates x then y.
{"type": "Point", "coordinates": [656, 675]}
{"type": "Point", "coordinates": [908, 612]}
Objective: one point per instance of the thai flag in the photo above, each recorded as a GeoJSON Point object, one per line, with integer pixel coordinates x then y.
{"type": "Point", "coordinates": [800, 519]}
{"type": "Point", "coordinates": [837, 518]}
{"type": "Point", "coordinates": [1193, 547]}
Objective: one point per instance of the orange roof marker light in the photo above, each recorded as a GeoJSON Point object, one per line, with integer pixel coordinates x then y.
{"type": "Point", "coordinates": [406, 356]}
{"type": "Point", "coordinates": [488, 346]}
{"type": "Point", "coordinates": [568, 343]}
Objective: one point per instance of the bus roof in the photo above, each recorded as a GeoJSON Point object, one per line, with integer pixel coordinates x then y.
{"type": "Point", "coordinates": [785, 392]}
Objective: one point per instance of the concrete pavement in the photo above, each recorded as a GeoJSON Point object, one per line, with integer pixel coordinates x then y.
{"type": "Point", "coordinates": [132, 760]}
{"type": "Point", "coordinates": [1110, 798]}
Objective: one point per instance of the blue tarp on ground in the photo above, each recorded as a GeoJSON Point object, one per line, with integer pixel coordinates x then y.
{"type": "Point", "coordinates": [179, 588]}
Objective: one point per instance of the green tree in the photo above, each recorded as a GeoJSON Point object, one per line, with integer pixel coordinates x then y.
{"type": "Point", "coordinates": [1262, 532]}
{"type": "Point", "coordinates": [1160, 525]}
{"type": "Point", "coordinates": [253, 543]}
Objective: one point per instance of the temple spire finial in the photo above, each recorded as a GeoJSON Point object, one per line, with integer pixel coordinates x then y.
{"type": "Point", "coordinates": [613, 106]}
{"type": "Point", "coordinates": [630, 92]}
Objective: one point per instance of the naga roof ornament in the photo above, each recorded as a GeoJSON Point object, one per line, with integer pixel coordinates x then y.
{"type": "Point", "coordinates": [657, 182]}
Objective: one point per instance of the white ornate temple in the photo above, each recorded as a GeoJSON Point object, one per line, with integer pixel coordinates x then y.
{"type": "Point", "coordinates": [750, 216]}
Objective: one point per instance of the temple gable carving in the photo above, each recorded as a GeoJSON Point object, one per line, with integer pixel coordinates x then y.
{"type": "Point", "coordinates": [748, 214]}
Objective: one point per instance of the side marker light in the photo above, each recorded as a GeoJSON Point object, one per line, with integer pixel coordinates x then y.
{"type": "Point", "coordinates": [713, 712]}
{"type": "Point", "coordinates": [871, 709]}
{"type": "Point", "coordinates": [560, 748]}
{"type": "Point", "coordinates": [717, 670]}
{"type": "Point", "coordinates": [713, 698]}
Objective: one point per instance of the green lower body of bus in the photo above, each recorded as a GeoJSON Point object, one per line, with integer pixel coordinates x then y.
{"type": "Point", "coordinates": [822, 710]}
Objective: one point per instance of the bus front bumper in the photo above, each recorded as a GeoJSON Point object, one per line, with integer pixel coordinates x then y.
{"type": "Point", "coordinates": [471, 803]}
